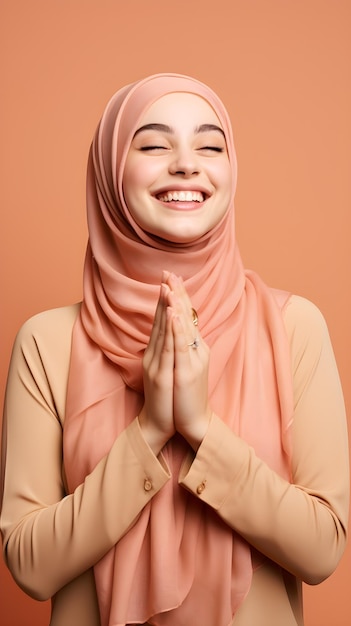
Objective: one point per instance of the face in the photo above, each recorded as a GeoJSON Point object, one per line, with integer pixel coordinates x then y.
{"type": "Point", "coordinates": [177, 181]}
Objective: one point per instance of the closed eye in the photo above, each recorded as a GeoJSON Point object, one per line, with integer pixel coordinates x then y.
{"type": "Point", "coordinates": [146, 148]}
{"type": "Point", "coordinates": [213, 148]}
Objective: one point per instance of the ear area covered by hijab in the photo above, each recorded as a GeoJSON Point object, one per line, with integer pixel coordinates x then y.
{"type": "Point", "coordinates": [249, 379]}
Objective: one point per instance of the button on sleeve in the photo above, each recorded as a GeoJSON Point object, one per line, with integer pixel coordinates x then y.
{"type": "Point", "coordinates": [210, 474]}
{"type": "Point", "coordinates": [147, 484]}
{"type": "Point", "coordinates": [201, 487]}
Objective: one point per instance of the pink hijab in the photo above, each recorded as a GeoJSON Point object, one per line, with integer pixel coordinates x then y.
{"type": "Point", "coordinates": [179, 563]}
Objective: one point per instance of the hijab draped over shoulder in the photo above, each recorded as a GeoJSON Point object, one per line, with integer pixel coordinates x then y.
{"type": "Point", "coordinates": [179, 563]}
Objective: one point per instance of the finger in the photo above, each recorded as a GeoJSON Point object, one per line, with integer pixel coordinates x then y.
{"type": "Point", "coordinates": [165, 276]}
{"type": "Point", "coordinates": [187, 334]}
{"type": "Point", "coordinates": [184, 307]}
{"type": "Point", "coordinates": [181, 343]}
{"type": "Point", "coordinates": [160, 363]}
{"type": "Point", "coordinates": [157, 332]}
{"type": "Point", "coordinates": [166, 347]}
{"type": "Point", "coordinates": [160, 316]}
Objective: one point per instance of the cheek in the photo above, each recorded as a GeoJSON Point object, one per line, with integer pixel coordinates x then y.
{"type": "Point", "coordinates": [130, 179]}
{"type": "Point", "coordinates": [224, 179]}
{"type": "Point", "coordinates": [138, 177]}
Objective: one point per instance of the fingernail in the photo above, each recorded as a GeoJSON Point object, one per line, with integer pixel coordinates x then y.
{"type": "Point", "coordinates": [165, 276]}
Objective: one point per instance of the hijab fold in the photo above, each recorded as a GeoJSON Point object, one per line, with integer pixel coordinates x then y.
{"type": "Point", "coordinates": [179, 562]}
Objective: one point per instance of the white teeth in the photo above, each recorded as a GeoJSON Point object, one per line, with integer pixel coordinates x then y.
{"type": "Point", "coordinates": [182, 196]}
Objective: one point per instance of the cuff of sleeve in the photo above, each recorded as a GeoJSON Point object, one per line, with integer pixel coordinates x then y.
{"type": "Point", "coordinates": [155, 471]}
{"type": "Point", "coordinates": [211, 473]}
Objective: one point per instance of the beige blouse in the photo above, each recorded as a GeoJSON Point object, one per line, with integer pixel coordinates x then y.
{"type": "Point", "coordinates": [51, 540]}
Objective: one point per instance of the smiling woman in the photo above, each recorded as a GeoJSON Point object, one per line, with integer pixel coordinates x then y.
{"type": "Point", "coordinates": [177, 180]}
{"type": "Point", "coordinates": [194, 407]}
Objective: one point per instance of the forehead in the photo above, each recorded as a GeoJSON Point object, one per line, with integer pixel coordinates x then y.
{"type": "Point", "coordinates": [180, 108]}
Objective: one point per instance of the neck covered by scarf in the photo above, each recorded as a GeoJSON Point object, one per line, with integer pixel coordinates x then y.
{"type": "Point", "coordinates": [249, 380]}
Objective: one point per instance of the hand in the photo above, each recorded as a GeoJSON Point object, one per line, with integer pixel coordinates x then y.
{"type": "Point", "coordinates": [191, 407]}
{"type": "Point", "coordinates": [156, 416]}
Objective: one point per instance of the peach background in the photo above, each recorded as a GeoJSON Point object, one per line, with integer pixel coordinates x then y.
{"type": "Point", "coordinates": [283, 69]}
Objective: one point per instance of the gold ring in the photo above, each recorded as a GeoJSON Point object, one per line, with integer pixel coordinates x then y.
{"type": "Point", "coordinates": [195, 317]}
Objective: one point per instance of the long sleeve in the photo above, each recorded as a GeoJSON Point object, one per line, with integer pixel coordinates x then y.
{"type": "Point", "coordinates": [39, 523]}
{"type": "Point", "coordinates": [302, 525]}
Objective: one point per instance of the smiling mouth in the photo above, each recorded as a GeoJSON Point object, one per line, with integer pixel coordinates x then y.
{"type": "Point", "coordinates": [181, 196]}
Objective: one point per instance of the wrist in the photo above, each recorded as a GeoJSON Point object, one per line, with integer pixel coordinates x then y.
{"type": "Point", "coordinates": [197, 433]}
{"type": "Point", "coordinates": [155, 439]}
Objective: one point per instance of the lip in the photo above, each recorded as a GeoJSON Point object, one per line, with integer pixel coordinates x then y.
{"type": "Point", "coordinates": [182, 205]}
{"type": "Point", "coordinates": [176, 187]}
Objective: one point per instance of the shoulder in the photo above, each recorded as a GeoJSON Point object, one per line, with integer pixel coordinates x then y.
{"type": "Point", "coordinates": [41, 357]}
{"type": "Point", "coordinates": [47, 334]}
{"type": "Point", "coordinates": [303, 318]}
{"type": "Point", "coordinates": [54, 322]}
{"type": "Point", "coordinates": [307, 333]}
{"type": "Point", "coordinates": [39, 364]}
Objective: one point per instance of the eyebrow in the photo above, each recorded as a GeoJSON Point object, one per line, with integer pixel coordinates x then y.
{"type": "Point", "coordinates": [204, 128]}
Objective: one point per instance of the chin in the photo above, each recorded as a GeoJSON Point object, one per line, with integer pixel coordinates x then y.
{"type": "Point", "coordinates": [181, 238]}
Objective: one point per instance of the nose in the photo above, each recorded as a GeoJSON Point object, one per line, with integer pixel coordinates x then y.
{"type": "Point", "coordinates": [184, 163]}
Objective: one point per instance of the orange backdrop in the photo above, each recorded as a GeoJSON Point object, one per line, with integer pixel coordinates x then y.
{"type": "Point", "coordinates": [283, 69]}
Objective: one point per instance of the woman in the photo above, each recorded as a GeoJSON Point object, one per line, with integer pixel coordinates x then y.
{"type": "Point", "coordinates": [176, 447]}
